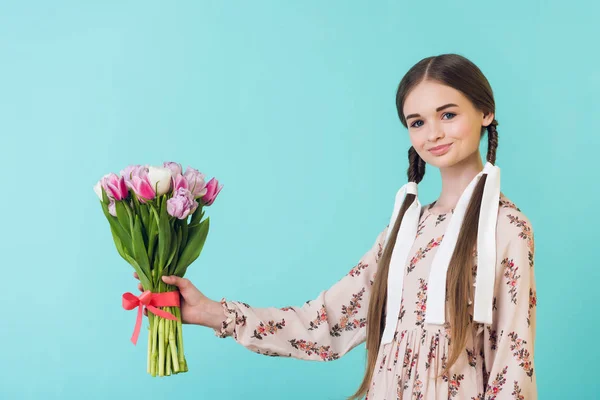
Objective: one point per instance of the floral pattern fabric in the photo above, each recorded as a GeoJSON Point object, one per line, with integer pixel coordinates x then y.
{"type": "Point", "coordinates": [496, 364]}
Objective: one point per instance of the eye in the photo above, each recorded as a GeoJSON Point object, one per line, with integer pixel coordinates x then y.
{"type": "Point", "coordinates": [414, 124]}
{"type": "Point", "coordinates": [450, 115]}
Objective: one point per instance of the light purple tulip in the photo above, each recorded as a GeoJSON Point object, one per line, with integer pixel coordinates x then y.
{"type": "Point", "coordinates": [115, 187]}
{"type": "Point", "coordinates": [212, 190]}
{"type": "Point", "coordinates": [112, 209]}
{"type": "Point", "coordinates": [179, 181]}
{"type": "Point", "coordinates": [182, 204]}
{"type": "Point", "coordinates": [134, 170]}
{"type": "Point", "coordinates": [196, 183]}
{"type": "Point", "coordinates": [174, 167]}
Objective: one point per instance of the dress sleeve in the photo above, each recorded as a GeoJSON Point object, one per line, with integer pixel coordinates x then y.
{"type": "Point", "coordinates": [509, 341]}
{"type": "Point", "coordinates": [322, 329]}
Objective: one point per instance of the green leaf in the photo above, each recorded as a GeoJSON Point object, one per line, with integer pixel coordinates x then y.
{"type": "Point", "coordinates": [146, 283]}
{"type": "Point", "coordinates": [197, 215]}
{"type": "Point", "coordinates": [152, 234]}
{"type": "Point", "coordinates": [145, 215]}
{"type": "Point", "coordinates": [173, 263]}
{"type": "Point", "coordinates": [184, 235]}
{"type": "Point", "coordinates": [139, 249]}
{"type": "Point", "coordinates": [123, 236]}
{"type": "Point", "coordinates": [118, 243]}
{"type": "Point", "coordinates": [196, 238]}
{"type": "Point", "coordinates": [164, 235]}
{"type": "Point", "coordinates": [105, 198]}
{"type": "Point", "coordinates": [124, 216]}
{"type": "Point", "coordinates": [174, 251]}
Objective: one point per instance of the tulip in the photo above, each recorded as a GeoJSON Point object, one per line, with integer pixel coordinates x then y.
{"type": "Point", "coordinates": [182, 204]}
{"type": "Point", "coordinates": [179, 181]}
{"type": "Point", "coordinates": [160, 179]}
{"type": "Point", "coordinates": [98, 189]}
{"type": "Point", "coordinates": [212, 190]}
{"type": "Point", "coordinates": [142, 188]}
{"type": "Point", "coordinates": [174, 167]}
{"type": "Point", "coordinates": [133, 170]}
{"type": "Point", "coordinates": [115, 187]}
{"type": "Point", "coordinates": [112, 209]}
{"type": "Point", "coordinates": [196, 183]}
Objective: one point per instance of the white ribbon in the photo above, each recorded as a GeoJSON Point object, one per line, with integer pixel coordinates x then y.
{"type": "Point", "coordinates": [486, 251]}
{"type": "Point", "coordinates": [436, 293]}
{"type": "Point", "coordinates": [408, 229]}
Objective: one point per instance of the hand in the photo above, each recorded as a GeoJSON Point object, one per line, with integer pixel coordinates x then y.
{"type": "Point", "coordinates": [196, 308]}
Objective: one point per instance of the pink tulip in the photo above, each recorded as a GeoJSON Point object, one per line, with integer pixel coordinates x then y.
{"type": "Point", "coordinates": [174, 167]}
{"type": "Point", "coordinates": [182, 204]}
{"type": "Point", "coordinates": [196, 183]}
{"type": "Point", "coordinates": [142, 188]}
{"type": "Point", "coordinates": [212, 190]}
{"type": "Point", "coordinates": [136, 177]}
{"type": "Point", "coordinates": [115, 187]}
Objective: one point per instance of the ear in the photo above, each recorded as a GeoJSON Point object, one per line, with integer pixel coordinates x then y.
{"type": "Point", "coordinates": [487, 119]}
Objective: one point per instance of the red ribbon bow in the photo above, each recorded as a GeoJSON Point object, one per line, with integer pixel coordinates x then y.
{"type": "Point", "coordinates": [150, 301]}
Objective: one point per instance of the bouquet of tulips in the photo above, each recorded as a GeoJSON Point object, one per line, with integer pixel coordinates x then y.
{"type": "Point", "coordinates": [156, 218]}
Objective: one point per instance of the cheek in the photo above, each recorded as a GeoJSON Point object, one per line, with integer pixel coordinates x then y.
{"type": "Point", "coordinates": [468, 134]}
{"type": "Point", "coordinates": [417, 140]}
{"type": "Point", "coordinates": [459, 130]}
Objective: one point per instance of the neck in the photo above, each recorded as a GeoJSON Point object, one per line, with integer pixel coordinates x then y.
{"type": "Point", "coordinates": [455, 180]}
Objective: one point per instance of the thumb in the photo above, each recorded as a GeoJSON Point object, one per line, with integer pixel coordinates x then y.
{"type": "Point", "coordinates": [181, 283]}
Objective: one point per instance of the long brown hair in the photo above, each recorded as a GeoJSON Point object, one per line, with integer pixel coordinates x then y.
{"type": "Point", "coordinates": [461, 74]}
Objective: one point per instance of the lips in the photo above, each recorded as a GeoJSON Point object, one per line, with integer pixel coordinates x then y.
{"type": "Point", "coordinates": [440, 150]}
{"type": "Point", "coordinates": [442, 147]}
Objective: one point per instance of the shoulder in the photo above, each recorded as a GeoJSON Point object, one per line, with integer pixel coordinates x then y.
{"type": "Point", "coordinates": [513, 225]}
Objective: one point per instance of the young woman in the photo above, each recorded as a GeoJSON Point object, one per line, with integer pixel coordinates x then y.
{"type": "Point", "coordinates": [445, 298]}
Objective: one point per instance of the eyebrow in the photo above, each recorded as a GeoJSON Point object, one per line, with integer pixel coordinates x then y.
{"type": "Point", "coordinates": [436, 110]}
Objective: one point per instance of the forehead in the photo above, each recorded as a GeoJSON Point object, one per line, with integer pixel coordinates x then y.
{"type": "Point", "coordinates": [429, 95]}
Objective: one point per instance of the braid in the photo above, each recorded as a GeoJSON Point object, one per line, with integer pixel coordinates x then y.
{"type": "Point", "coordinates": [492, 142]}
{"type": "Point", "coordinates": [416, 166]}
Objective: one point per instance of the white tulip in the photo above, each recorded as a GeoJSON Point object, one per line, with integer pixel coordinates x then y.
{"type": "Point", "coordinates": [160, 179]}
{"type": "Point", "coordinates": [98, 187]}
{"type": "Point", "coordinates": [98, 190]}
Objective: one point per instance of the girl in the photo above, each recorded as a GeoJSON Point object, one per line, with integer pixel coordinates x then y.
{"type": "Point", "coordinates": [445, 298]}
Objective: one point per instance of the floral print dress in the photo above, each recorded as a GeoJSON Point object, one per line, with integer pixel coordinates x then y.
{"type": "Point", "coordinates": [496, 364]}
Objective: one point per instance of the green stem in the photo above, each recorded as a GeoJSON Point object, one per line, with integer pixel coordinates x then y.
{"type": "Point", "coordinates": [173, 346]}
{"type": "Point", "coordinates": [180, 337]}
{"type": "Point", "coordinates": [161, 347]}
{"type": "Point", "coordinates": [153, 362]}
{"type": "Point", "coordinates": [149, 356]}
{"type": "Point", "coordinates": [168, 373]}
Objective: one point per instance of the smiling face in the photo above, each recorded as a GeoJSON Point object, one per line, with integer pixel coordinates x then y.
{"type": "Point", "coordinates": [443, 125]}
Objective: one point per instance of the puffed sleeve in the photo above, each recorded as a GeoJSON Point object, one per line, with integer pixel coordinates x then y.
{"type": "Point", "coordinates": [509, 341]}
{"type": "Point", "coordinates": [322, 329]}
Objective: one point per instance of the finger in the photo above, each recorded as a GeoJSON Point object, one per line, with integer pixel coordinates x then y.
{"type": "Point", "coordinates": [145, 312]}
{"type": "Point", "coordinates": [181, 283]}
{"type": "Point", "coordinates": [140, 287]}
{"type": "Point", "coordinates": [135, 275]}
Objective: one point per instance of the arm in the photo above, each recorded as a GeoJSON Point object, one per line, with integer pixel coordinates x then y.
{"type": "Point", "coordinates": [323, 329]}
{"type": "Point", "coordinates": [509, 341]}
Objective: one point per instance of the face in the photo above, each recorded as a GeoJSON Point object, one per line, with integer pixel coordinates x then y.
{"type": "Point", "coordinates": [444, 126]}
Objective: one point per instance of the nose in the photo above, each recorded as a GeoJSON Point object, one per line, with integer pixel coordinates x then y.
{"type": "Point", "coordinates": [436, 132]}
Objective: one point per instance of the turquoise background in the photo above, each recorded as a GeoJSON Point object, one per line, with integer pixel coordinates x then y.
{"type": "Point", "coordinates": [291, 106]}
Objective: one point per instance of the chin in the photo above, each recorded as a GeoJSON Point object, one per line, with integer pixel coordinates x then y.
{"type": "Point", "coordinates": [447, 160]}
{"type": "Point", "coordinates": [441, 162]}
